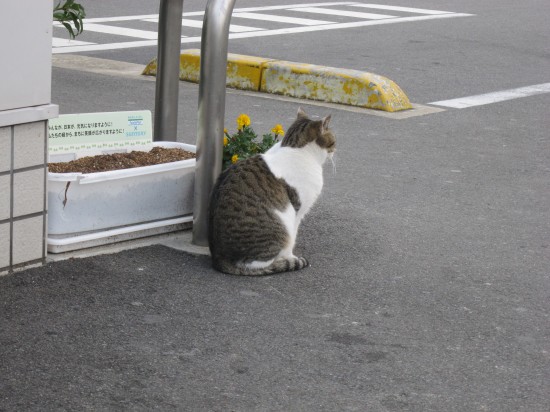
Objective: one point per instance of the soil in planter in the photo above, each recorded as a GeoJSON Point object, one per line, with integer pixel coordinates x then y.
{"type": "Point", "coordinates": [117, 161]}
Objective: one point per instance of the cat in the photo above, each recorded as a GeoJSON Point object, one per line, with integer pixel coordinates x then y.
{"type": "Point", "coordinates": [257, 204]}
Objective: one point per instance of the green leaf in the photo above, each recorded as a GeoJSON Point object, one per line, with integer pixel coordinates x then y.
{"type": "Point", "coordinates": [69, 29]}
{"type": "Point", "coordinates": [69, 11]}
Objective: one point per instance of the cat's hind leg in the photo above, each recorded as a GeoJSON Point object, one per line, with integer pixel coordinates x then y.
{"type": "Point", "coordinates": [288, 219]}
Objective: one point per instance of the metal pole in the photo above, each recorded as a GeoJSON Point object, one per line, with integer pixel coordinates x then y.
{"type": "Point", "coordinates": [215, 35]}
{"type": "Point", "coordinates": [168, 70]}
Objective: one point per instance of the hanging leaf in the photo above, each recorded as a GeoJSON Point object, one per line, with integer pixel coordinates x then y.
{"type": "Point", "coordinates": [70, 12]}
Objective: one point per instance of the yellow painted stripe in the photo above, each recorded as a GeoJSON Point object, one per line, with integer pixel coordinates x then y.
{"type": "Point", "coordinates": [300, 80]}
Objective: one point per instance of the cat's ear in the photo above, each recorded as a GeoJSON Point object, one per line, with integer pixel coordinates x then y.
{"type": "Point", "coordinates": [301, 113]}
{"type": "Point", "coordinates": [325, 122]}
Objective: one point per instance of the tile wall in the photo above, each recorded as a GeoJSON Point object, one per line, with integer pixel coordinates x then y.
{"type": "Point", "coordinates": [23, 195]}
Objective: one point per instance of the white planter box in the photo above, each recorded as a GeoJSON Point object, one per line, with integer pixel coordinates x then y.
{"type": "Point", "coordinates": [91, 209]}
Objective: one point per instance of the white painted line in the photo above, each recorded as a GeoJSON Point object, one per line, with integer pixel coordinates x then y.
{"type": "Point", "coordinates": [233, 28]}
{"type": "Point", "coordinates": [289, 30]}
{"type": "Point", "coordinates": [117, 18]}
{"type": "Point", "coordinates": [291, 6]}
{"type": "Point", "coordinates": [488, 98]}
{"type": "Point", "coordinates": [336, 26]}
{"type": "Point", "coordinates": [58, 42]}
{"type": "Point", "coordinates": [200, 13]}
{"type": "Point", "coordinates": [121, 31]}
{"type": "Point", "coordinates": [280, 19]}
{"type": "Point", "coordinates": [190, 23]}
{"type": "Point", "coordinates": [397, 8]}
{"type": "Point", "coordinates": [107, 46]}
{"type": "Point", "coordinates": [332, 12]}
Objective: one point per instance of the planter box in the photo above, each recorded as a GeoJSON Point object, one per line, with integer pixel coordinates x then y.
{"type": "Point", "coordinates": [91, 209]}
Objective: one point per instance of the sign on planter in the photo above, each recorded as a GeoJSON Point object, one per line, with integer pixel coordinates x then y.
{"type": "Point", "coordinates": [109, 130]}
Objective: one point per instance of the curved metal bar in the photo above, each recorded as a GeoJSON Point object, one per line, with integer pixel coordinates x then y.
{"type": "Point", "coordinates": [213, 73]}
{"type": "Point", "coordinates": [168, 70]}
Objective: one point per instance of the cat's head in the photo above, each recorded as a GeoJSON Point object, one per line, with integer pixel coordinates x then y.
{"type": "Point", "coordinates": [304, 131]}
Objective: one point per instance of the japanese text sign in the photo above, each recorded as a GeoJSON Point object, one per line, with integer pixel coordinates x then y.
{"type": "Point", "coordinates": [110, 130]}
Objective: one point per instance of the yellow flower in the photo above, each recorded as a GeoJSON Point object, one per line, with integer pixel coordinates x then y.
{"type": "Point", "coordinates": [225, 140]}
{"type": "Point", "coordinates": [278, 130]}
{"type": "Point", "coordinates": [225, 131]}
{"type": "Point", "coordinates": [242, 121]}
{"type": "Point", "coordinates": [234, 158]}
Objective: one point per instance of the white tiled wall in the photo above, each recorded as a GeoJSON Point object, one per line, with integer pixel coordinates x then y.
{"type": "Point", "coordinates": [22, 195]}
{"type": "Point", "coordinates": [5, 197]}
{"type": "Point", "coordinates": [28, 145]}
{"type": "Point", "coordinates": [28, 243]}
{"type": "Point", "coordinates": [5, 153]}
{"type": "Point", "coordinates": [28, 192]}
{"type": "Point", "coordinates": [4, 245]}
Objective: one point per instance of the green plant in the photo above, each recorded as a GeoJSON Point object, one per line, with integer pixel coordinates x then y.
{"type": "Point", "coordinates": [244, 142]}
{"type": "Point", "coordinates": [69, 12]}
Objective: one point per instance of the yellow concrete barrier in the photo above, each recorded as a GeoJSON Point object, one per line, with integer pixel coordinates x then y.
{"type": "Point", "coordinates": [333, 85]}
{"type": "Point", "coordinates": [300, 80]}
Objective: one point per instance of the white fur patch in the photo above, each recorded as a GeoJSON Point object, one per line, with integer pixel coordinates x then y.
{"type": "Point", "coordinates": [258, 264]}
{"type": "Point", "coordinates": [300, 168]}
{"type": "Point", "coordinates": [288, 217]}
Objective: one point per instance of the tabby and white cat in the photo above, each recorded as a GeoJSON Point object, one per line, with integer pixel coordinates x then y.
{"type": "Point", "coordinates": [258, 203]}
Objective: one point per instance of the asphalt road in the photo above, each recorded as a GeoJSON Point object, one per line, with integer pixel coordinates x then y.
{"type": "Point", "coordinates": [429, 287]}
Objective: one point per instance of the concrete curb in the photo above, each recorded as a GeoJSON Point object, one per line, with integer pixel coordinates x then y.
{"type": "Point", "coordinates": [306, 81]}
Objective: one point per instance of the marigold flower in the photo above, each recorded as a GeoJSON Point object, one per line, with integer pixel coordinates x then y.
{"type": "Point", "coordinates": [234, 158]}
{"type": "Point", "coordinates": [242, 121]}
{"type": "Point", "coordinates": [225, 140]}
{"type": "Point", "coordinates": [278, 130]}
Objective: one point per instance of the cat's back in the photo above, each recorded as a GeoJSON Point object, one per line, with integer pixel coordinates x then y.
{"type": "Point", "coordinates": [242, 206]}
{"type": "Point", "coordinates": [247, 180]}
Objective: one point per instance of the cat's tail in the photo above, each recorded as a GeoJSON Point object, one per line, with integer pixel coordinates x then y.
{"type": "Point", "coordinates": [277, 266]}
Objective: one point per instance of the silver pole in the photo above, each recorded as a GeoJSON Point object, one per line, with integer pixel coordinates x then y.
{"type": "Point", "coordinates": [168, 70]}
{"type": "Point", "coordinates": [215, 35]}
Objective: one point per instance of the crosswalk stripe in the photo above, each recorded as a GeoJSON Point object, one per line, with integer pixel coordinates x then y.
{"type": "Point", "coordinates": [280, 19]}
{"type": "Point", "coordinates": [121, 31]}
{"type": "Point", "coordinates": [293, 24]}
{"type": "Point", "coordinates": [261, 33]}
{"type": "Point", "coordinates": [291, 6]}
{"type": "Point", "coordinates": [397, 8]}
{"type": "Point", "coordinates": [58, 42]}
{"type": "Point", "coordinates": [233, 28]}
{"type": "Point", "coordinates": [332, 12]}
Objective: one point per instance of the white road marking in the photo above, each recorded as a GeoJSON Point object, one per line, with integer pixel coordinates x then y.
{"type": "Point", "coordinates": [280, 19]}
{"type": "Point", "coordinates": [291, 6]}
{"type": "Point", "coordinates": [346, 13]}
{"type": "Point", "coordinates": [305, 25]}
{"type": "Point", "coordinates": [488, 98]}
{"type": "Point", "coordinates": [276, 32]}
{"type": "Point", "coordinates": [121, 31]}
{"type": "Point", "coordinates": [233, 28]}
{"type": "Point", "coordinates": [397, 8]}
{"type": "Point", "coordinates": [58, 42]}
{"type": "Point", "coordinates": [109, 46]}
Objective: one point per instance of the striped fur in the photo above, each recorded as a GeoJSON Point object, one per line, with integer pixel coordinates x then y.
{"type": "Point", "coordinates": [257, 204]}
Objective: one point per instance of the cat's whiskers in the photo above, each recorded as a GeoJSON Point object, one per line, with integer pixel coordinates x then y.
{"type": "Point", "coordinates": [331, 158]}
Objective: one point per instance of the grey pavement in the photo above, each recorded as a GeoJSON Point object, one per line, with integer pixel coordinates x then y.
{"type": "Point", "coordinates": [428, 288]}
